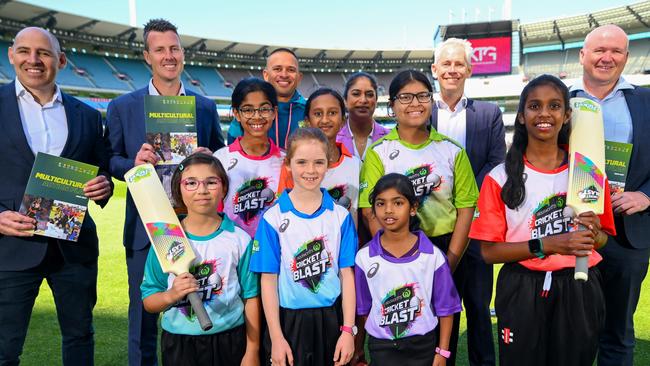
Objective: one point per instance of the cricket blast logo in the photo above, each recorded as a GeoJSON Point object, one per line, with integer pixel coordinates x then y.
{"type": "Point", "coordinates": [399, 309]}
{"type": "Point", "coordinates": [310, 264]}
{"type": "Point", "coordinates": [548, 218]}
{"type": "Point", "coordinates": [251, 198]}
{"type": "Point", "coordinates": [210, 284]}
{"type": "Point", "coordinates": [338, 194]}
{"type": "Point", "coordinates": [423, 179]}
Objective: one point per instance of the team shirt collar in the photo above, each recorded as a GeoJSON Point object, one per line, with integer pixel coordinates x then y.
{"type": "Point", "coordinates": [424, 246]}
{"type": "Point", "coordinates": [226, 225]}
{"type": "Point", "coordinates": [274, 150]}
{"type": "Point", "coordinates": [286, 205]}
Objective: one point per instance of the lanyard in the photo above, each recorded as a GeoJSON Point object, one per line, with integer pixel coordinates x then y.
{"type": "Point", "coordinates": [277, 127]}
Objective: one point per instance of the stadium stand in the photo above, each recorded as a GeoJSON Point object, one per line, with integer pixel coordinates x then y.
{"type": "Point", "coordinates": [100, 71]}
{"type": "Point", "coordinates": [136, 70]}
{"type": "Point", "coordinates": [233, 76]}
{"type": "Point", "coordinates": [6, 69]}
{"type": "Point", "coordinates": [209, 79]}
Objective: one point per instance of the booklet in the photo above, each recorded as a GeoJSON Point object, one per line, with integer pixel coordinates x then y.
{"type": "Point", "coordinates": [171, 129]}
{"type": "Point", "coordinates": [617, 159]}
{"type": "Point", "coordinates": [54, 196]}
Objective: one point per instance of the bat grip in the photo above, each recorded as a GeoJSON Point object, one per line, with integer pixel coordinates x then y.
{"type": "Point", "coordinates": [199, 310]}
{"type": "Point", "coordinates": [581, 272]}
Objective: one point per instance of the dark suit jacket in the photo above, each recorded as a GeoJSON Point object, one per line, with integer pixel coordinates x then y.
{"type": "Point", "coordinates": [635, 229]}
{"type": "Point", "coordinates": [85, 143]}
{"type": "Point", "coordinates": [126, 133]}
{"type": "Point", "coordinates": [485, 136]}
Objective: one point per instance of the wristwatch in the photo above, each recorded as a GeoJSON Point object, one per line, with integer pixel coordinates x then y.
{"type": "Point", "coordinates": [443, 352]}
{"type": "Point", "coordinates": [352, 330]}
{"type": "Point", "coordinates": [536, 247]}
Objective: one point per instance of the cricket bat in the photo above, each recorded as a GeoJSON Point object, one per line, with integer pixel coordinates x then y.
{"type": "Point", "coordinates": [170, 244]}
{"type": "Point", "coordinates": [586, 189]}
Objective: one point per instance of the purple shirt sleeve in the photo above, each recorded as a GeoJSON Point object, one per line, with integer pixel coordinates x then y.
{"type": "Point", "coordinates": [445, 297]}
{"type": "Point", "coordinates": [364, 299]}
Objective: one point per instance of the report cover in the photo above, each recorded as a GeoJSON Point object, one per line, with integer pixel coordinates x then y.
{"type": "Point", "coordinates": [171, 130]}
{"type": "Point", "coordinates": [54, 196]}
{"type": "Point", "coordinates": [617, 155]}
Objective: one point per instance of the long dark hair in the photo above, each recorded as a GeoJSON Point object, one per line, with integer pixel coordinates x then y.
{"type": "Point", "coordinates": [404, 187]}
{"type": "Point", "coordinates": [513, 192]}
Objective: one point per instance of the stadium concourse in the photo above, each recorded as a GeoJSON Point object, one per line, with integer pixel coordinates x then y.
{"type": "Point", "coordinates": [105, 59]}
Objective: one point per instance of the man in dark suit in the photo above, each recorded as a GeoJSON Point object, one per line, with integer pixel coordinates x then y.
{"type": "Point", "coordinates": [37, 117]}
{"type": "Point", "coordinates": [477, 126]}
{"type": "Point", "coordinates": [626, 120]}
{"type": "Point", "coordinates": [126, 132]}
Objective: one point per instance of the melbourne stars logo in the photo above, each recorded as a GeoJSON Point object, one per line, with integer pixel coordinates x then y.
{"type": "Point", "coordinates": [399, 309]}
{"type": "Point", "coordinates": [548, 218]}
{"type": "Point", "coordinates": [338, 194]}
{"type": "Point", "coordinates": [423, 179]}
{"type": "Point", "coordinates": [251, 198]}
{"type": "Point", "coordinates": [310, 263]}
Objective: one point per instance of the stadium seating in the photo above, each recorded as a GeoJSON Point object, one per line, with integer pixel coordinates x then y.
{"type": "Point", "coordinates": [6, 69]}
{"type": "Point", "coordinates": [137, 70]}
{"type": "Point", "coordinates": [99, 70]}
{"type": "Point", "coordinates": [233, 76]}
{"type": "Point", "coordinates": [209, 79]}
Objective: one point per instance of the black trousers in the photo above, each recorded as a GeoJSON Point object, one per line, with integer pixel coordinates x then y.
{"type": "Point", "coordinates": [220, 349]}
{"type": "Point", "coordinates": [311, 333]}
{"type": "Point", "coordinates": [474, 280]}
{"type": "Point", "coordinates": [74, 288]}
{"type": "Point", "coordinates": [418, 350]}
{"type": "Point", "coordinates": [559, 327]}
{"type": "Point", "coordinates": [623, 269]}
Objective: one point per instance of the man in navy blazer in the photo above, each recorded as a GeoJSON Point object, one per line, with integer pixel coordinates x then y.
{"type": "Point", "coordinates": [478, 127]}
{"type": "Point", "coordinates": [626, 119]}
{"type": "Point", "coordinates": [126, 132]}
{"type": "Point", "coordinates": [38, 117]}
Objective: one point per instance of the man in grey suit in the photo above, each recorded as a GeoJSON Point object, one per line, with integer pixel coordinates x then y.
{"type": "Point", "coordinates": [478, 127]}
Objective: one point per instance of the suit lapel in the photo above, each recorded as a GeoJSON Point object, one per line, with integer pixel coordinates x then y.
{"type": "Point", "coordinates": [636, 107]}
{"type": "Point", "coordinates": [434, 116]}
{"type": "Point", "coordinates": [12, 124]}
{"type": "Point", "coordinates": [74, 131]}
{"type": "Point", "coordinates": [470, 124]}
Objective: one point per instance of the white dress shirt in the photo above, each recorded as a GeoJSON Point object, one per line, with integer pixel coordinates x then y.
{"type": "Point", "coordinates": [452, 123]}
{"type": "Point", "coordinates": [154, 91]}
{"type": "Point", "coordinates": [45, 126]}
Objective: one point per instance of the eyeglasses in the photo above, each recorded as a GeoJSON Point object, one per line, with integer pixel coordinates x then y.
{"type": "Point", "coordinates": [249, 112]}
{"type": "Point", "coordinates": [407, 98]}
{"type": "Point", "coordinates": [192, 184]}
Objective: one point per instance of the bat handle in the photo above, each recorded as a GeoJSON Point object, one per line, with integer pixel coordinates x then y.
{"type": "Point", "coordinates": [581, 272]}
{"type": "Point", "coordinates": [199, 310]}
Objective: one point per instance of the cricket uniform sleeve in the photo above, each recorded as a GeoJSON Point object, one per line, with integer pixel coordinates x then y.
{"type": "Point", "coordinates": [444, 297]}
{"type": "Point", "coordinates": [265, 257]}
{"type": "Point", "coordinates": [607, 218]}
{"type": "Point", "coordinates": [349, 241]}
{"type": "Point", "coordinates": [465, 189]}
{"type": "Point", "coordinates": [363, 296]}
{"type": "Point", "coordinates": [489, 222]}
{"type": "Point", "coordinates": [286, 181]}
{"type": "Point", "coordinates": [248, 281]}
{"type": "Point", "coordinates": [371, 170]}
{"type": "Point", "coordinates": [154, 279]}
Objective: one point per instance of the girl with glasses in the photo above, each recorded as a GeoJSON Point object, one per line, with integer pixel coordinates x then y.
{"type": "Point", "coordinates": [220, 275]}
{"type": "Point", "coordinates": [253, 161]}
{"type": "Point", "coordinates": [436, 166]}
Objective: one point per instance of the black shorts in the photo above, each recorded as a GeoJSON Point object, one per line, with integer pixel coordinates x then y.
{"type": "Point", "coordinates": [555, 327]}
{"type": "Point", "coordinates": [219, 349]}
{"type": "Point", "coordinates": [311, 333]}
{"type": "Point", "coordinates": [418, 350]}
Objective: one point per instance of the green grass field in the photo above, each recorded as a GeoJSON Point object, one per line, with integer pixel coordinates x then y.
{"type": "Point", "coordinates": [42, 346]}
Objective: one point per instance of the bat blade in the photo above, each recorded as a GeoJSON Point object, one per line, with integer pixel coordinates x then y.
{"type": "Point", "coordinates": [172, 248]}
{"type": "Point", "coordinates": [586, 188]}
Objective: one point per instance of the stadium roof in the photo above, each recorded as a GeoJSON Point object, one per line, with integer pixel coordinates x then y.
{"type": "Point", "coordinates": [64, 24]}
{"type": "Point", "coordinates": [634, 18]}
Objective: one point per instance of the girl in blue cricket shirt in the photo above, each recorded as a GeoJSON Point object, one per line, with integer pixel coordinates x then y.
{"type": "Point", "coordinates": [219, 273]}
{"type": "Point", "coordinates": [304, 248]}
{"type": "Point", "coordinates": [404, 284]}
